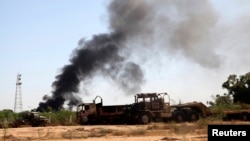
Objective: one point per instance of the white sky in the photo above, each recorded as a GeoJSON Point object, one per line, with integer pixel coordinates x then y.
{"type": "Point", "coordinates": [37, 38]}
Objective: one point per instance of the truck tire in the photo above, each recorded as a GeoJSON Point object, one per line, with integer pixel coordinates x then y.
{"type": "Point", "coordinates": [144, 118]}
{"type": "Point", "coordinates": [244, 117]}
{"type": "Point", "coordinates": [192, 115]}
{"type": "Point", "coordinates": [179, 116]}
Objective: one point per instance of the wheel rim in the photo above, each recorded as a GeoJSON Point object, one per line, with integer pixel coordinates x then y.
{"type": "Point", "coordinates": [193, 117]}
{"type": "Point", "coordinates": [244, 117]}
{"type": "Point", "coordinates": [145, 119]}
{"type": "Point", "coordinates": [179, 118]}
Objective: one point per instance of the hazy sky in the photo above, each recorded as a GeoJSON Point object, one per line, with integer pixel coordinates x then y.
{"type": "Point", "coordinates": [37, 39]}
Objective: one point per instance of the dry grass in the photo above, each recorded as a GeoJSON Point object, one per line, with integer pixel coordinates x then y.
{"type": "Point", "coordinates": [119, 133]}
{"type": "Point", "coordinates": [154, 131]}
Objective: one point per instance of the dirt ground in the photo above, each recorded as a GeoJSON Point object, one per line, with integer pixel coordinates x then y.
{"type": "Point", "coordinates": [150, 132]}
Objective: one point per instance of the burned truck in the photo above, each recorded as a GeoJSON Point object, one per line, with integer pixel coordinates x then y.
{"type": "Point", "coordinates": [146, 108]}
{"type": "Point", "coordinates": [241, 113]}
{"type": "Point", "coordinates": [96, 113]}
{"type": "Point", "coordinates": [35, 119]}
{"type": "Point", "coordinates": [26, 118]}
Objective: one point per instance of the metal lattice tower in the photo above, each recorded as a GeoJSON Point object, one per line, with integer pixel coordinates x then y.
{"type": "Point", "coordinates": [18, 95]}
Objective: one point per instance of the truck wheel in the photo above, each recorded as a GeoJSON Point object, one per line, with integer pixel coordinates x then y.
{"type": "Point", "coordinates": [144, 118]}
{"type": "Point", "coordinates": [179, 116]}
{"type": "Point", "coordinates": [244, 117]}
{"type": "Point", "coordinates": [194, 117]}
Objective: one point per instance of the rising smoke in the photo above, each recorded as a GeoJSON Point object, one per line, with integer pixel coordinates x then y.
{"type": "Point", "coordinates": [137, 26]}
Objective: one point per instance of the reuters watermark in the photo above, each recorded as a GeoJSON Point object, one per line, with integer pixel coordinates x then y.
{"type": "Point", "coordinates": [220, 131]}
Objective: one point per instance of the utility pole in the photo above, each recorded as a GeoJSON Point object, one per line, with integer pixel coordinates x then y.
{"type": "Point", "coordinates": [18, 95]}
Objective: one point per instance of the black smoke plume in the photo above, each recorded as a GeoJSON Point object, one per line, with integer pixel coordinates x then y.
{"type": "Point", "coordinates": [97, 56]}
{"type": "Point", "coordinates": [137, 28]}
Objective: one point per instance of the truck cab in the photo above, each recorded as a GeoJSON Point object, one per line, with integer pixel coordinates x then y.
{"type": "Point", "coordinates": [87, 110]}
{"type": "Point", "coordinates": [152, 101]}
{"type": "Point", "coordinates": [151, 106]}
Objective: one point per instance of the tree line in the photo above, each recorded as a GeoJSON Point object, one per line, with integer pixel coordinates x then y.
{"type": "Point", "coordinates": [238, 92]}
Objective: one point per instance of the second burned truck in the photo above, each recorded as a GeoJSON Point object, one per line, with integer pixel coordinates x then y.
{"type": "Point", "coordinates": [146, 108]}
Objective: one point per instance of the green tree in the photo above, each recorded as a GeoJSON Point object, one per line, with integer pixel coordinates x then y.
{"type": "Point", "coordinates": [63, 117]}
{"type": "Point", "coordinates": [239, 88]}
{"type": "Point", "coordinates": [221, 100]}
{"type": "Point", "coordinates": [8, 115]}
